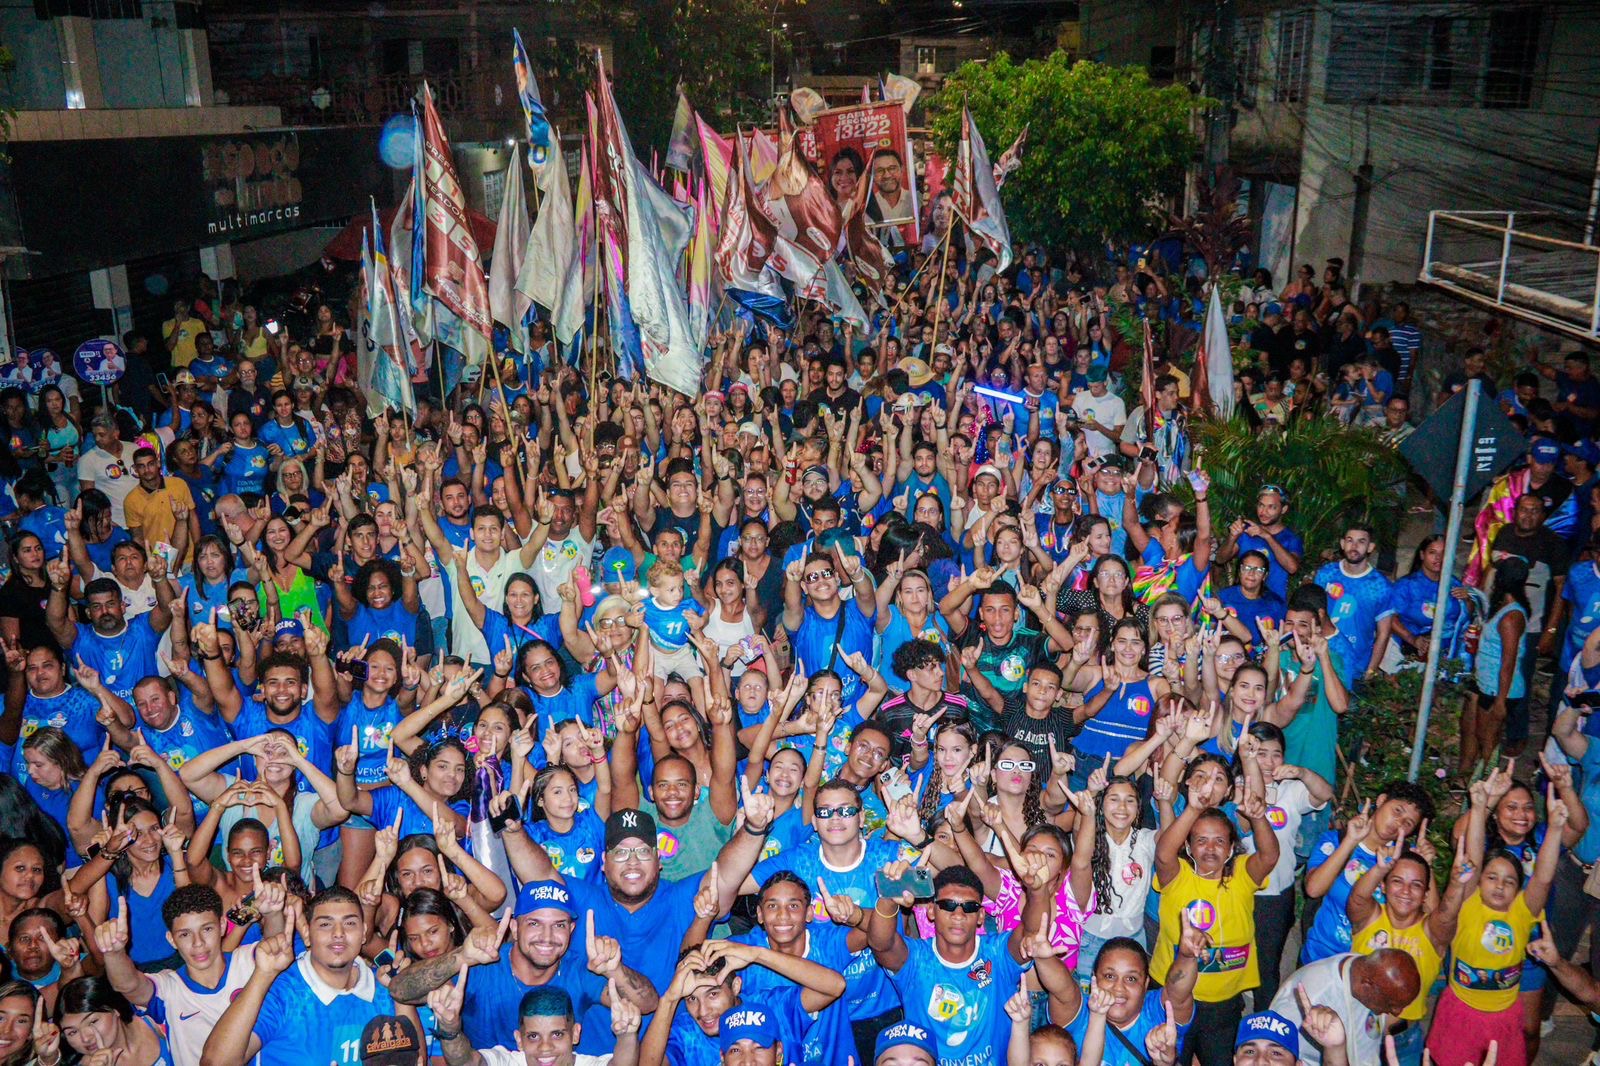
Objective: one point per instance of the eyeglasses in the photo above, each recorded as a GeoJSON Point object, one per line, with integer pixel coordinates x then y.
{"type": "Point", "coordinates": [819, 575]}
{"type": "Point", "coordinates": [1060, 490]}
{"type": "Point", "coordinates": [610, 623]}
{"type": "Point", "coordinates": [1025, 765]}
{"type": "Point", "coordinates": [1230, 657]}
{"type": "Point", "coordinates": [1253, 569]}
{"type": "Point", "coordinates": [622, 853]}
{"type": "Point", "coordinates": [829, 813]}
{"type": "Point", "coordinates": [965, 906]}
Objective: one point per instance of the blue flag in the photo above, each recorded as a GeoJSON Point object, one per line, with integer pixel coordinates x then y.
{"type": "Point", "coordinates": [538, 126]}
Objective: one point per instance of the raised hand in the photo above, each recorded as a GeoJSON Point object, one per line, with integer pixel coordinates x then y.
{"type": "Point", "coordinates": [1360, 822]}
{"type": "Point", "coordinates": [625, 1017]}
{"type": "Point", "coordinates": [112, 937]}
{"type": "Point", "coordinates": [841, 909]}
{"type": "Point", "coordinates": [482, 946]}
{"type": "Point", "coordinates": [759, 808]}
{"type": "Point", "coordinates": [274, 954]}
{"type": "Point", "coordinates": [1161, 1042]}
{"type": "Point", "coordinates": [605, 953]}
{"type": "Point", "coordinates": [1321, 1024]}
{"type": "Point", "coordinates": [1019, 1006]}
{"type": "Point", "coordinates": [446, 1002]}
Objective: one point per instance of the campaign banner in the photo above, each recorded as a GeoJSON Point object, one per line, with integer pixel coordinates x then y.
{"type": "Point", "coordinates": [100, 361]}
{"type": "Point", "coordinates": [868, 142]}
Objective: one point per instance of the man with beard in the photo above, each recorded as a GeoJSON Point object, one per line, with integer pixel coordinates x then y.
{"type": "Point", "coordinates": [1358, 598]}
{"type": "Point", "coordinates": [890, 205]}
{"type": "Point", "coordinates": [282, 701]}
{"type": "Point", "coordinates": [635, 906]}
{"type": "Point", "coordinates": [311, 1009]}
{"type": "Point", "coordinates": [539, 955]}
{"type": "Point", "coordinates": [122, 651]}
{"type": "Point", "coordinates": [190, 999]}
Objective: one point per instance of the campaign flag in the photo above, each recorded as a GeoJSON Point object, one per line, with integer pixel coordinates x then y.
{"type": "Point", "coordinates": [846, 144]}
{"type": "Point", "coordinates": [390, 363]}
{"type": "Point", "coordinates": [974, 193]}
{"type": "Point", "coordinates": [1147, 383]}
{"type": "Point", "coordinates": [366, 347]}
{"type": "Point", "coordinates": [742, 251]}
{"type": "Point", "coordinates": [535, 124]}
{"type": "Point", "coordinates": [511, 247]}
{"type": "Point", "coordinates": [1010, 159]}
{"type": "Point", "coordinates": [551, 257]}
{"type": "Point", "coordinates": [578, 285]}
{"type": "Point", "coordinates": [841, 299]}
{"type": "Point", "coordinates": [625, 343]}
{"type": "Point", "coordinates": [453, 270]}
{"type": "Point", "coordinates": [802, 216]}
{"type": "Point", "coordinates": [1213, 366]}
{"type": "Point", "coordinates": [422, 317]}
{"type": "Point", "coordinates": [902, 89]}
{"type": "Point", "coordinates": [699, 287]}
{"type": "Point", "coordinates": [680, 147]}
{"type": "Point", "coordinates": [649, 233]}
{"type": "Point", "coordinates": [716, 153]}
{"type": "Point", "coordinates": [400, 240]}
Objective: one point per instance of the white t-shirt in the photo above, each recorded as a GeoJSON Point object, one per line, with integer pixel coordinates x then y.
{"type": "Point", "coordinates": [1108, 410]}
{"type": "Point", "coordinates": [1132, 864]}
{"type": "Point", "coordinates": [466, 640]}
{"type": "Point", "coordinates": [556, 562]}
{"type": "Point", "coordinates": [190, 1012]}
{"type": "Point", "coordinates": [727, 634]}
{"type": "Point", "coordinates": [1327, 982]}
{"type": "Point", "coordinates": [1287, 803]}
{"type": "Point", "coordinates": [135, 602]}
{"type": "Point", "coordinates": [112, 475]}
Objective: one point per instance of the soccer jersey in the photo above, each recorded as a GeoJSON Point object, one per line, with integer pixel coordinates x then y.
{"type": "Point", "coordinates": [190, 1010]}
{"type": "Point", "coordinates": [962, 1002]}
{"type": "Point", "coordinates": [303, 1020]}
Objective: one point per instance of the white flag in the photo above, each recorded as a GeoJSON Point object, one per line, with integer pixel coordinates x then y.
{"type": "Point", "coordinates": [510, 246]}
{"type": "Point", "coordinates": [552, 253]}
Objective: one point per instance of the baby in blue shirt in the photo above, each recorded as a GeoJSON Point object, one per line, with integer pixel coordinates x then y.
{"type": "Point", "coordinates": [670, 616]}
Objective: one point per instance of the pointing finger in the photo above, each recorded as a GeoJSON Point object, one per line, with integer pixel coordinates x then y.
{"type": "Point", "coordinates": [588, 930]}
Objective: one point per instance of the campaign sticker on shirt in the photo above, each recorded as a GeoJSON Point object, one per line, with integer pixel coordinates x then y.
{"type": "Point", "coordinates": [1140, 706]}
{"type": "Point", "coordinates": [1012, 667]}
{"type": "Point", "coordinates": [1498, 937]}
{"type": "Point", "coordinates": [1132, 872]}
{"type": "Point", "coordinates": [1277, 817]}
{"type": "Point", "coordinates": [1335, 590]}
{"type": "Point", "coordinates": [1202, 914]}
{"type": "Point", "coordinates": [945, 1003]}
{"type": "Point", "coordinates": [666, 844]}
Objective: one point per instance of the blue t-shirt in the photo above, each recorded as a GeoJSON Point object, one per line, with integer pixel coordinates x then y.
{"type": "Point", "coordinates": [394, 622]}
{"type": "Point", "coordinates": [963, 1004]}
{"type": "Point", "coordinates": [494, 992]}
{"type": "Point", "coordinates": [1251, 612]}
{"type": "Point", "coordinates": [575, 853]}
{"type": "Point", "coordinates": [295, 1027]}
{"type": "Point", "coordinates": [1413, 597]}
{"type": "Point", "coordinates": [47, 523]}
{"type": "Point", "coordinates": [1277, 576]}
{"type": "Point", "coordinates": [898, 632]}
{"type": "Point", "coordinates": [373, 725]}
{"type": "Point", "coordinates": [294, 439]}
{"type": "Point", "coordinates": [688, 1044]}
{"type": "Point", "coordinates": [312, 735]}
{"type": "Point", "coordinates": [827, 1038]}
{"type": "Point", "coordinates": [574, 702]}
{"type": "Point", "coordinates": [669, 628]}
{"type": "Point", "coordinates": [123, 660]}
{"type": "Point", "coordinates": [100, 551]}
{"type": "Point", "coordinates": [1152, 1015]}
{"type": "Point", "coordinates": [391, 798]}
{"type": "Point", "coordinates": [1049, 403]}
{"type": "Point", "coordinates": [200, 597]}
{"type": "Point", "coordinates": [244, 469]}
{"type": "Point", "coordinates": [1582, 593]}
{"type": "Point", "coordinates": [1356, 605]}
{"type": "Point", "coordinates": [1330, 932]}
{"type": "Point", "coordinates": [498, 629]}
{"type": "Point", "coordinates": [821, 642]}
{"type": "Point", "coordinates": [192, 732]}
{"type": "Point", "coordinates": [73, 712]}
{"type": "Point", "coordinates": [867, 989]}
{"type": "Point", "coordinates": [147, 930]}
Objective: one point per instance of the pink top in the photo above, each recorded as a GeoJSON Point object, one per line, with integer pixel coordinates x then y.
{"type": "Point", "coordinates": [1006, 910]}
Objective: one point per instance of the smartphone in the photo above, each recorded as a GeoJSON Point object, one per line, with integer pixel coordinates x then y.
{"type": "Point", "coordinates": [918, 881]}
{"type": "Point", "coordinates": [383, 958]}
{"type": "Point", "coordinates": [512, 813]}
{"type": "Point", "coordinates": [896, 786]}
{"type": "Point", "coordinates": [162, 380]}
{"type": "Point", "coordinates": [356, 668]}
{"type": "Point", "coordinates": [244, 912]}
{"type": "Point", "coordinates": [272, 326]}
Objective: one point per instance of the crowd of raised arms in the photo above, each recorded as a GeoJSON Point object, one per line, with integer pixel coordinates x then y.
{"type": "Point", "coordinates": [845, 712]}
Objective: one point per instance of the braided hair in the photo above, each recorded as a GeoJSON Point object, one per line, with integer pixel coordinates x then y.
{"type": "Point", "coordinates": [928, 805]}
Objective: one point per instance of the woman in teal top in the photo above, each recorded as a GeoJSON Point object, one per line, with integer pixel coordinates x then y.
{"type": "Point", "coordinates": [1495, 674]}
{"type": "Point", "coordinates": [246, 462]}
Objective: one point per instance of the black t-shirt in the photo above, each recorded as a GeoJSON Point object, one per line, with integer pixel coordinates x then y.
{"type": "Point", "coordinates": [841, 406]}
{"type": "Point", "coordinates": [1547, 556]}
{"type": "Point", "coordinates": [22, 601]}
{"type": "Point", "coordinates": [1554, 493]}
{"type": "Point", "coordinates": [1036, 733]}
{"type": "Point", "coordinates": [689, 527]}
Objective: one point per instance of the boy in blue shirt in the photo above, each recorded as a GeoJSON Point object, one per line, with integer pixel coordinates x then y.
{"type": "Point", "coordinates": [311, 1009]}
{"type": "Point", "coordinates": [669, 616]}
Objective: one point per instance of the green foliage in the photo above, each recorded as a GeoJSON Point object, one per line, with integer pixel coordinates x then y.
{"type": "Point", "coordinates": [1375, 736]}
{"type": "Point", "coordinates": [1104, 144]}
{"type": "Point", "coordinates": [718, 50]}
{"type": "Point", "coordinates": [1333, 475]}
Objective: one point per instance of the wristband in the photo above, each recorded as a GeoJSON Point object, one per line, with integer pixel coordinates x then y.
{"type": "Point", "coordinates": [892, 913]}
{"type": "Point", "coordinates": [748, 828]}
{"type": "Point", "coordinates": [442, 1035]}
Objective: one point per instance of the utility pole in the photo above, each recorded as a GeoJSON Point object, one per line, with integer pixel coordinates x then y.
{"type": "Point", "coordinates": [1219, 83]}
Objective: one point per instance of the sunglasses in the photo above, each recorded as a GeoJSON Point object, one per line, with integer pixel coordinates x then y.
{"type": "Point", "coordinates": [1025, 765]}
{"type": "Point", "coordinates": [819, 575]}
{"type": "Point", "coordinates": [1061, 490]}
{"type": "Point", "coordinates": [827, 814]}
{"type": "Point", "coordinates": [965, 906]}
{"type": "Point", "coordinates": [622, 853]}
{"type": "Point", "coordinates": [1254, 569]}
{"type": "Point", "coordinates": [1231, 657]}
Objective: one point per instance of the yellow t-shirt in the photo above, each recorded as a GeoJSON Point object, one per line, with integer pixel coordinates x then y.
{"type": "Point", "coordinates": [151, 513]}
{"type": "Point", "coordinates": [1414, 941]}
{"type": "Point", "coordinates": [1224, 911]}
{"type": "Point", "coordinates": [183, 352]}
{"type": "Point", "coordinates": [1488, 952]}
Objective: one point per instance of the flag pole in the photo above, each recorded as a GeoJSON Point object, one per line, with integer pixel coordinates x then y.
{"type": "Point", "coordinates": [944, 264]}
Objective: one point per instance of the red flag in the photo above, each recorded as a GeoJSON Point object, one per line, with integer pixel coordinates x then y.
{"type": "Point", "coordinates": [610, 157]}
{"type": "Point", "coordinates": [454, 266]}
{"type": "Point", "coordinates": [801, 213]}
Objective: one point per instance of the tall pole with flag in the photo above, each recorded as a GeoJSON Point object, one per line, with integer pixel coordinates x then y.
{"type": "Point", "coordinates": [510, 246]}
{"type": "Point", "coordinates": [389, 363]}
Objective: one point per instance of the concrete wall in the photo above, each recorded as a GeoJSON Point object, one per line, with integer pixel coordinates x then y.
{"type": "Point", "coordinates": [35, 79]}
{"type": "Point", "coordinates": [1424, 158]}
{"type": "Point", "coordinates": [1121, 33]}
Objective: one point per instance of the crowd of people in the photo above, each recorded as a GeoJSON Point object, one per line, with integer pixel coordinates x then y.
{"type": "Point", "coordinates": [899, 699]}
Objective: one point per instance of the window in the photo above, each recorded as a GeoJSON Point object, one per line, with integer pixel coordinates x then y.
{"type": "Point", "coordinates": [1513, 57]}
{"type": "Point", "coordinates": [1293, 67]}
{"type": "Point", "coordinates": [1441, 55]}
{"type": "Point", "coordinates": [1163, 62]}
{"type": "Point", "coordinates": [1247, 59]}
{"type": "Point", "coordinates": [927, 60]}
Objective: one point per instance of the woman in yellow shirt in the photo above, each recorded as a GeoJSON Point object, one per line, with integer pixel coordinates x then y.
{"type": "Point", "coordinates": [1412, 917]}
{"type": "Point", "coordinates": [1480, 1005]}
{"type": "Point", "coordinates": [1201, 869]}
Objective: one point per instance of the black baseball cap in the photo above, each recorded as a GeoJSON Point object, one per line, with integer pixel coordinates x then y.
{"type": "Point", "coordinates": [390, 1040]}
{"type": "Point", "coordinates": [629, 823]}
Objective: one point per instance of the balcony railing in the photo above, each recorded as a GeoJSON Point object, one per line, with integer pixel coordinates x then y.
{"type": "Point", "coordinates": [482, 93]}
{"type": "Point", "coordinates": [1537, 266]}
